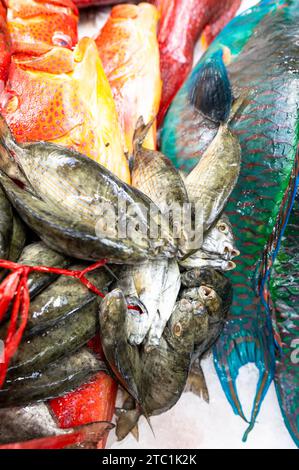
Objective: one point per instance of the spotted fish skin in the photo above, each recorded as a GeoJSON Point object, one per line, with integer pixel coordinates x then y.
{"type": "Point", "coordinates": [265, 70]}
{"type": "Point", "coordinates": [284, 288]}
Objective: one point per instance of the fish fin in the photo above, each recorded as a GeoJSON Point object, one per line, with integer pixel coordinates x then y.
{"type": "Point", "coordinates": [140, 134]}
{"type": "Point", "coordinates": [135, 432]}
{"type": "Point", "coordinates": [237, 105]}
{"type": "Point", "coordinates": [211, 94]}
{"type": "Point", "coordinates": [127, 422]}
{"type": "Point", "coordinates": [196, 383]}
{"type": "Point", "coordinates": [5, 133]}
{"type": "Point", "coordinates": [242, 342]}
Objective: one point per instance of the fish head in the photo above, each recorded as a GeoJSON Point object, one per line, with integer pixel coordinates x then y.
{"type": "Point", "coordinates": [180, 324]}
{"type": "Point", "coordinates": [113, 311]}
{"type": "Point", "coordinates": [206, 297]}
{"type": "Point", "coordinates": [220, 240]}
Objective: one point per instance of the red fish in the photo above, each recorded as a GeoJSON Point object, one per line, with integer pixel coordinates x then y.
{"type": "Point", "coordinates": [5, 46]}
{"type": "Point", "coordinates": [182, 22]}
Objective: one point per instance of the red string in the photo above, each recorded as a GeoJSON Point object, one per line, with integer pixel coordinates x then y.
{"type": "Point", "coordinates": [14, 290]}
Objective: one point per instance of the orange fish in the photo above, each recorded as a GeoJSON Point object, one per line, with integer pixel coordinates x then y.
{"type": "Point", "coordinates": [73, 106]}
{"type": "Point", "coordinates": [5, 46]}
{"type": "Point", "coordinates": [129, 51]}
{"type": "Point", "coordinates": [36, 26]}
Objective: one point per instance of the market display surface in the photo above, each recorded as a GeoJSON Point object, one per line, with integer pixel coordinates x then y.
{"type": "Point", "coordinates": [148, 220]}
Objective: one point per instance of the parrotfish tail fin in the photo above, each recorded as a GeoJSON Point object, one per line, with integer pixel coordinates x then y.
{"type": "Point", "coordinates": [211, 93]}
{"type": "Point", "coordinates": [245, 341]}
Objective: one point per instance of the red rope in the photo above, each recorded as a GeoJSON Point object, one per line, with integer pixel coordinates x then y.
{"type": "Point", "coordinates": [14, 290]}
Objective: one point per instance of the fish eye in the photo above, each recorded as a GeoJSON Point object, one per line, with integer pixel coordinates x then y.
{"type": "Point", "coordinates": [177, 329]}
{"type": "Point", "coordinates": [223, 228]}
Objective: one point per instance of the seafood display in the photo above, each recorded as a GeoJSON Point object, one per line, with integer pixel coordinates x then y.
{"type": "Point", "coordinates": [129, 50]}
{"type": "Point", "coordinates": [178, 34]}
{"type": "Point", "coordinates": [128, 255]}
{"type": "Point", "coordinates": [264, 74]}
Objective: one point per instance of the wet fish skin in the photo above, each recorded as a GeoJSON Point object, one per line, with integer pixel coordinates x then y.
{"type": "Point", "coordinates": [67, 336]}
{"type": "Point", "coordinates": [203, 259]}
{"type": "Point", "coordinates": [63, 298]}
{"type": "Point", "coordinates": [18, 238]}
{"type": "Point", "coordinates": [19, 424]}
{"type": "Point", "coordinates": [61, 377]}
{"type": "Point", "coordinates": [145, 282]}
{"type": "Point", "coordinates": [47, 167]}
{"type": "Point", "coordinates": [122, 357]}
{"type": "Point", "coordinates": [220, 167]}
{"type": "Point", "coordinates": [168, 297]}
{"type": "Point", "coordinates": [39, 254]}
{"type": "Point", "coordinates": [219, 239]}
{"type": "Point", "coordinates": [6, 225]}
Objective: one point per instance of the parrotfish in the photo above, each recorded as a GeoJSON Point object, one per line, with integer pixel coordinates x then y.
{"type": "Point", "coordinates": [181, 24]}
{"type": "Point", "coordinates": [262, 45]}
{"type": "Point", "coordinates": [284, 289]}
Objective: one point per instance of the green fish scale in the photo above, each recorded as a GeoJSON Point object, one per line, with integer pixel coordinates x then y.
{"type": "Point", "coordinates": [284, 287]}
{"type": "Point", "coordinates": [265, 68]}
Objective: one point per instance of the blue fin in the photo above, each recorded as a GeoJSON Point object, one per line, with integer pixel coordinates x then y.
{"type": "Point", "coordinates": [211, 93]}
{"type": "Point", "coordinates": [239, 345]}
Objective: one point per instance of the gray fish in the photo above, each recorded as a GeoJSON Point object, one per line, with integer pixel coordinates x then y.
{"type": "Point", "coordinates": [73, 203]}
{"type": "Point", "coordinates": [19, 424]}
{"type": "Point", "coordinates": [122, 357]}
{"type": "Point", "coordinates": [219, 239]}
{"type": "Point", "coordinates": [164, 369]}
{"type": "Point", "coordinates": [59, 378]}
{"type": "Point", "coordinates": [22, 424]}
{"type": "Point", "coordinates": [67, 336]}
{"type": "Point", "coordinates": [6, 225]}
{"type": "Point", "coordinates": [39, 254]}
{"type": "Point", "coordinates": [155, 175]}
{"type": "Point", "coordinates": [203, 259]}
{"type": "Point", "coordinates": [213, 179]}
{"type": "Point", "coordinates": [18, 238]}
{"type": "Point", "coordinates": [145, 282]}
{"type": "Point", "coordinates": [65, 296]}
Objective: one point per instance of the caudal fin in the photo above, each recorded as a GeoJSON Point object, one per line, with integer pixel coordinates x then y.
{"type": "Point", "coordinates": [211, 93]}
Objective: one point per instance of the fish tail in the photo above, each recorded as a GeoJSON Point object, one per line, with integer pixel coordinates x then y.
{"type": "Point", "coordinates": [127, 422]}
{"type": "Point", "coordinates": [239, 345]}
{"type": "Point", "coordinates": [211, 93]}
{"type": "Point", "coordinates": [140, 133]}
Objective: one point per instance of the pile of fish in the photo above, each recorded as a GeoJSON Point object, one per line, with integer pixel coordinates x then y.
{"type": "Point", "coordinates": [82, 181]}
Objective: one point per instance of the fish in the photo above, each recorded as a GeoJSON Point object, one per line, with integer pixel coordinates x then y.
{"type": "Point", "coordinates": [211, 294]}
{"type": "Point", "coordinates": [6, 225]}
{"type": "Point", "coordinates": [213, 179]}
{"type": "Point", "coordinates": [220, 240]}
{"type": "Point", "coordinates": [63, 298]}
{"type": "Point", "coordinates": [34, 27]}
{"type": "Point", "coordinates": [196, 382]}
{"type": "Point", "coordinates": [178, 35]}
{"type": "Point", "coordinates": [153, 174]}
{"type": "Point", "coordinates": [69, 335]}
{"type": "Point", "coordinates": [5, 46]}
{"type": "Point", "coordinates": [72, 220]}
{"type": "Point", "coordinates": [38, 254]}
{"type": "Point", "coordinates": [18, 238]}
{"type": "Point", "coordinates": [57, 379]}
{"type": "Point", "coordinates": [201, 258]}
{"type": "Point", "coordinates": [263, 69]}
{"type": "Point", "coordinates": [164, 369]}
{"type": "Point", "coordinates": [29, 422]}
{"type": "Point", "coordinates": [284, 290]}
{"type": "Point", "coordinates": [129, 51]}
{"type": "Point", "coordinates": [121, 356]}
{"type": "Point", "coordinates": [145, 283]}
{"type": "Point", "coordinates": [46, 97]}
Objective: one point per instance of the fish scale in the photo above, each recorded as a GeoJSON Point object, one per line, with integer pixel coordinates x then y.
{"type": "Point", "coordinates": [284, 289]}
{"type": "Point", "coordinates": [264, 68]}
